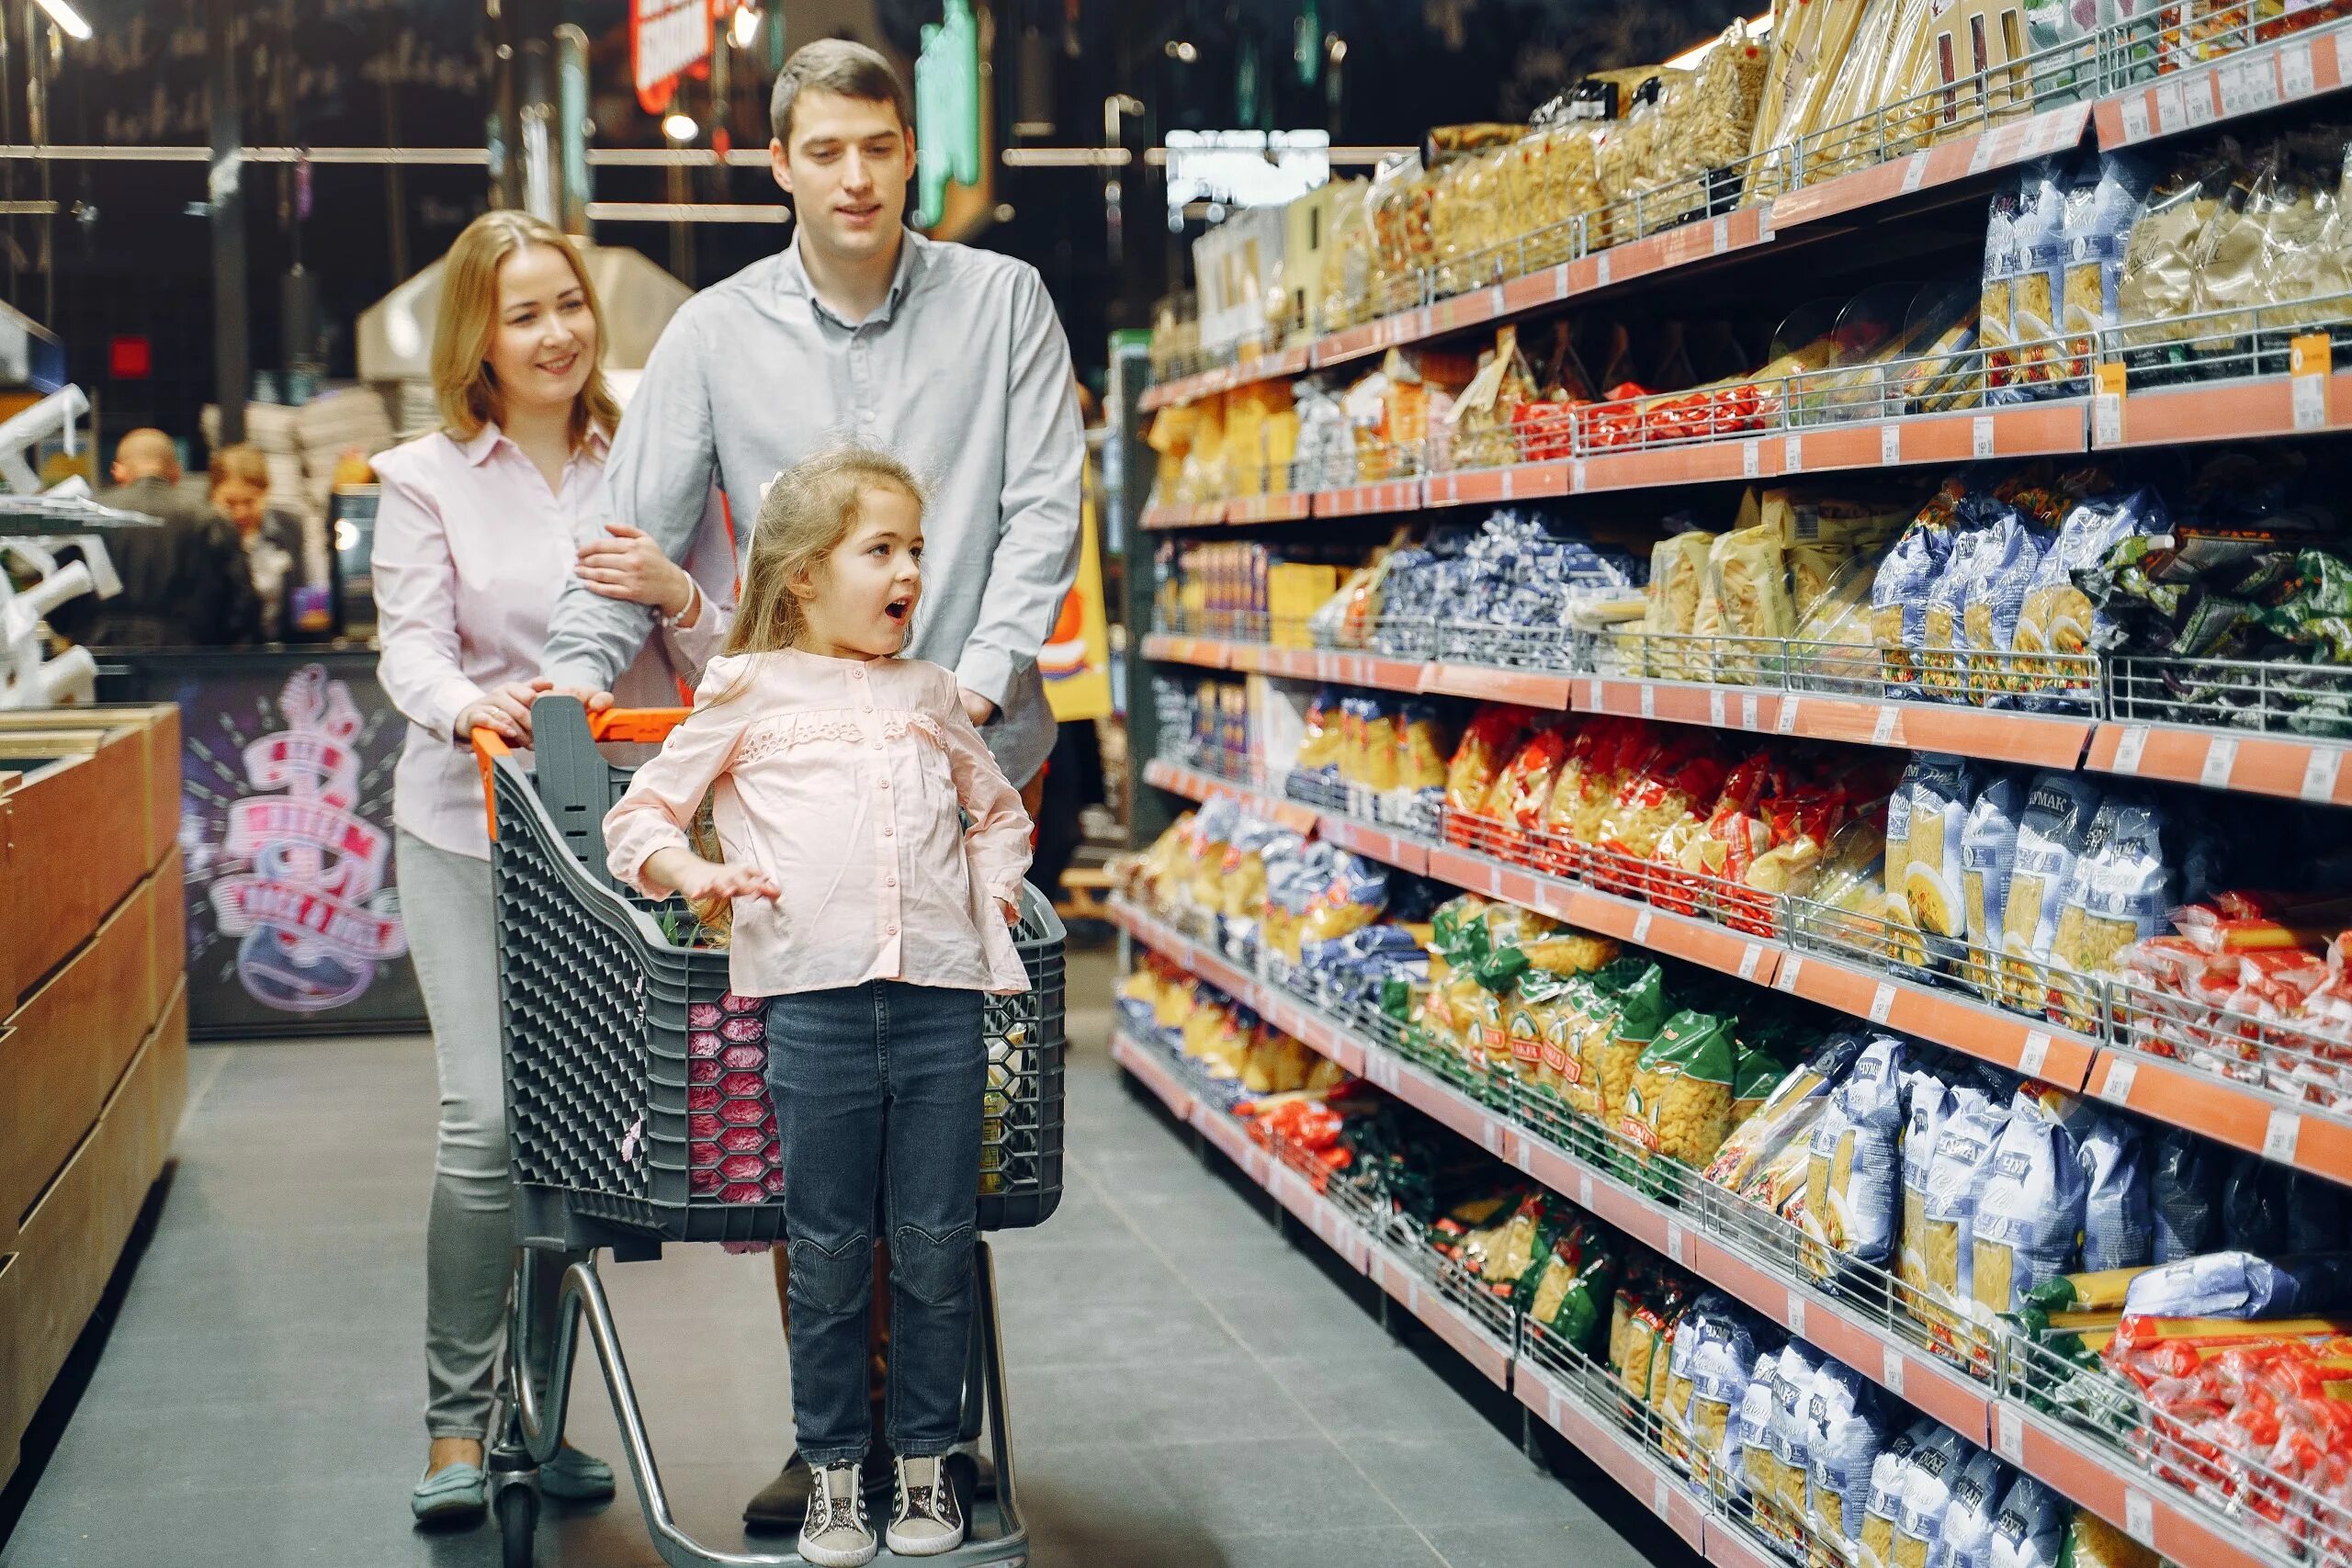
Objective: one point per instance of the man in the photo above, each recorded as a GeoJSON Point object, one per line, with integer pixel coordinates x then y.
{"type": "Point", "coordinates": [184, 584]}
{"type": "Point", "coordinates": [950, 358]}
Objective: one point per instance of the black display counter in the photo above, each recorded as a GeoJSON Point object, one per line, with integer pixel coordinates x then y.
{"type": "Point", "coordinates": [286, 823]}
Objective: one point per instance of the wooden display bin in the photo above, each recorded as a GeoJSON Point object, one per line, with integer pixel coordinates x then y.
{"type": "Point", "coordinates": [93, 1018]}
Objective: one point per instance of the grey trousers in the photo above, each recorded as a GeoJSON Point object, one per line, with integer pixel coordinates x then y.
{"type": "Point", "coordinates": [470, 1235]}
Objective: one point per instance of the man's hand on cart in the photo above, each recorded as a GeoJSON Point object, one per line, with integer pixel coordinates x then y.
{"type": "Point", "coordinates": [698, 881]}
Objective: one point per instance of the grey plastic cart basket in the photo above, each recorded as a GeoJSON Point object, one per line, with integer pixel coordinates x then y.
{"type": "Point", "coordinates": [595, 1002]}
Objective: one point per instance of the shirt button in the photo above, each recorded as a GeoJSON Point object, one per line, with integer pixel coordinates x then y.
{"type": "Point", "coordinates": [889, 931]}
{"type": "Point", "coordinates": [889, 882]}
{"type": "Point", "coordinates": [886, 832]}
{"type": "Point", "coordinates": [857, 672]}
{"type": "Point", "coordinates": [885, 784]}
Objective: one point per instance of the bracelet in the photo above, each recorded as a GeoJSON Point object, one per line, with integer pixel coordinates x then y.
{"type": "Point", "coordinates": [694, 598]}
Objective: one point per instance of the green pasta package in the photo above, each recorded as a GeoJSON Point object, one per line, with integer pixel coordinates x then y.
{"type": "Point", "coordinates": [1680, 1104]}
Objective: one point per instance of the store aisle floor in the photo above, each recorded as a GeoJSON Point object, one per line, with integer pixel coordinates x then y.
{"type": "Point", "coordinates": [1189, 1390]}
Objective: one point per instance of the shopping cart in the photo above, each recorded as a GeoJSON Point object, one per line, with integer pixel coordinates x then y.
{"type": "Point", "coordinates": [636, 1115]}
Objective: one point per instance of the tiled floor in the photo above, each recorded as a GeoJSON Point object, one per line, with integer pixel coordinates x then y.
{"type": "Point", "coordinates": [1189, 1390]}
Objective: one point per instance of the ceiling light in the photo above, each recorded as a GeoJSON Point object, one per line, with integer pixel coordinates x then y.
{"type": "Point", "coordinates": [1337, 48]}
{"type": "Point", "coordinates": [746, 25]}
{"type": "Point", "coordinates": [63, 13]}
{"type": "Point", "coordinates": [1182, 49]}
{"type": "Point", "coordinates": [680, 127]}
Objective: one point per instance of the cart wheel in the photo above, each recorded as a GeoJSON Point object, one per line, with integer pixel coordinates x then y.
{"type": "Point", "coordinates": [518, 1524]}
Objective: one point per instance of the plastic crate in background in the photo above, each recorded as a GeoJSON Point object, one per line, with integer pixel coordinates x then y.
{"type": "Point", "coordinates": [625, 1056]}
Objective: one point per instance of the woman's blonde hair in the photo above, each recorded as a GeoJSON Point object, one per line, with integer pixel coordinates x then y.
{"type": "Point", "coordinates": [807, 512]}
{"type": "Point", "coordinates": [468, 321]}
{"type": "Point", "coordinates": [243, 461]}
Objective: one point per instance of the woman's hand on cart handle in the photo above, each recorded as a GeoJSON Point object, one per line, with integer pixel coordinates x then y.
{"type": "Point", "coordinates": [697, 880]}
{"type": "Point", "coordinates": [504, 711]}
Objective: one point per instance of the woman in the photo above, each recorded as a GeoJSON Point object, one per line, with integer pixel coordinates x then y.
{"type": "Point", "coordinates": [240, 492]}
{"type": "Point", "coordinates": [479, 527]}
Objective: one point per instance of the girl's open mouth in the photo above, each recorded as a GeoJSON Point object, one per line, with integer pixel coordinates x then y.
{"type": "Point", "coordinates": [897, 609]}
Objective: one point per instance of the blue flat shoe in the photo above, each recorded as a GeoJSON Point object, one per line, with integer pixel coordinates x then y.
{"type": "Point", "coordinates": [575, 1477]}
{"type": "Point", "coordinates": [452, 1497]}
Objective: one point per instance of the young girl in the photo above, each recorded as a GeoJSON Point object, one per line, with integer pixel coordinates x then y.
{"type": "Point", "coordinates": [876, 923]}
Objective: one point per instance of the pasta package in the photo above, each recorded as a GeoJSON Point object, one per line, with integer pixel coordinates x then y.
{"type": "Point", "coordinates": [2058, 619]}
{"type": "Point", "coordinates": [1421, 765]}
{"type": "Point", "coordinates": [1523, 793]}
{"type": "Point", "coordinates": [2118, 1229]}
{"type": "Point", "coordinates": [2030, 1216]}
{"type": "Point", "coordinates": [2092, 1542]}
{"type": "Point", "coordinates": [1678, 577]}
{"type": "Point", "coordinates": [2122, 888]}
{"type": "Point", "coordinates": [1957, 1175]}
{"type": "Point", "coordinates": [1720, 1366]}
{"type": "Point", "coordinates": [1794, 1104]}
{"type": "Point", "coordinates": [1988, 847]}
{"type": "Point", "coordinates": [2008, 554]}
{"type": "Point", "coordinates": [1747, 1449]}
{"type": "Point", "coordinates": [1974, 1509]}
{"type": "Point", "coordinates": [2098, 221]}
{"type": "Point", "coordinates": [1612, 1050]}
{"type": "Point", "coordinates": [1789, 1434]}
{"type": "Point", "coordinates": [1936, 1463]}
{"type": "Point", "coordinates": [2059, 810]}
{"type": "Point", "coordinates": [1845, 1434]}
{"type": "Point", "coordinates": [1928, 1101]}
{"type": "Point", "coordinates": [1746, 595]}
{"type": "Point", "coordinates": [1488, 742]}
{"type": "Point", "coordinates": [1899, 599]}
{"type": "Point", "coordinates": [1680, 1104]}
{"type": "Point", "coordinates": [1853, 1182]}
{"type": "Point", "coordinates": [1874, 1545]}
{"type": "Point", "coordinates": [1940, 796]}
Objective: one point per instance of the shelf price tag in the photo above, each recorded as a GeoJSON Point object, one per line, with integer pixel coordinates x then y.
{"type": "Point", "coordinates": [2135, 118]}
{"type": "Point", "coordinates": [1881, 1001]}
{"type": "Point", "coordinates": [1715, 710]}
{"type": "Point", "coordinates": [2169, 113]}
{"type": "Point", "coordinates": [1747, 710]}
{"type": "Point", "coordinates": [1791, 967]}
{"type": "Point", "coordinates": [1884, 728]}
{"type": "Point", "coordinates": [1980, 435]}
{"type": "Point", "coordinates": [1915, 172]}
{"type": "Point", "coordinates": [1584, 1189]}
{"type": "Point", "coordinates": [2221, 757]}
{"type": "Point", "coordinates": [1677, 1244]}
{"type": "Point", "coordinates": [1796, 1314]}
{"type": "Point", "coordinates": [2319, 770]}
{"type": "Point", "coordinates": [1721, 239]}
{"type": "Point", "coordinates": [1889, 444]}
{"type": "Point", "coordinates": [2248, 86]}
{"type": "Point", "coordinates": [2343, 55]}
{"type": "Point", "coordinates": [2139, 1518]}
{"type": "Point", "coordinates": [1592, 696]}
{"type": "Point", "coordinates": [1792, 454]}
{"type": "Point", "coordinates": [2008, 1433]}
{"type": "Point", "coordinates": [1576, 476]}
{"type": "Point", "coordinates": [2035, 1052]}
{"type": "Point", "coordinates": [2128, 748]}
{"type": "Point", "coordinates": [1751, 459]}
{"type": "Point", "coordinates": [2308, 365]}
{"type": "Point", "coordinates": [2197, 102]}
{"type": "Point", "coordinates": [1658, 1495]}
{"type": "Point", "coordinates": [2107, 404]}
{"type": "Point", "coordinates": [2120, 1078]}
{"type": "Point", "coordinates": [1788, 719]}
{"type": "Point", "coordinates": [1600, 270]}
{"type": "Point", "coordinates": [2280, 1134]}
{"type": "Point", "coordinates": [2295, 76]}
{"type": "Point", "coordinates": [1750, 959]}
{"type": "Point", "coordinates": [1890, 1366]}
{"type": "Point", "coordinates": [1649, 700]}
{"type": "Point", "coordinates": [1641, 928]}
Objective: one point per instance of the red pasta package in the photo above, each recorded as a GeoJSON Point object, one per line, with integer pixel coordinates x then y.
{"type": "Point", "coordinates": [1606, 752]}
{"type": "Point", "coordinates": [1679, 784]}
{"type": "Point", "coordinates": [1486, 743]}
{"type": "Point", "coordinates": [1524, 791]}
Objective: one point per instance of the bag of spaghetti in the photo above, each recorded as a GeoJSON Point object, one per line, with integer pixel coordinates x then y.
{"type": "Point", "coordinates": [1853, 1182]}
{"type": "Point", "coordinates": [1680, 1104]}
{"type": "Point", "coordinates": [2029, 1224]}
{"type": "Point", "coordinates": [1572, 1290]}
{"type": "Point", "coordinates": [1789, 1112]}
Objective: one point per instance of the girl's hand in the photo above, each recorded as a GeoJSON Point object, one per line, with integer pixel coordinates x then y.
{"type": "Point", "coordinates": [1010, 910]}
{"type": "Point", "coordinates": [631, 566]}
{"type": "Point", "coordinates": [717, 881]}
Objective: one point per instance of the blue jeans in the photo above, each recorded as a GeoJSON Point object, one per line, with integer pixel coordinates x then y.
{"type": "Point", "coordinates": [878, 1092]}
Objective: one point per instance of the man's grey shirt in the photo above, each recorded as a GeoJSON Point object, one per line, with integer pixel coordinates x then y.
{"type": "Point", "coordinates": [963, 374]}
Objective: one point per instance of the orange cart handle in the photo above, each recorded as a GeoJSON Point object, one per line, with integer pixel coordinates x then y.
{"type": "Point", "coordinates": [639, 725]}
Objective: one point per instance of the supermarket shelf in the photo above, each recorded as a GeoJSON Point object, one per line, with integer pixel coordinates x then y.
{"type": "Point", "coordinates": [1284, 506]}
{"type": "Point", "coordinates": [1947, 1018]}
{"type": "Point", "coordinates": [1948, 163]}
{"type": "Point", "coordinates": [1939, 1390]}
{"type": "Point", "coordinates": [2238, 1114]}
{"type": "Point", "coordinates": [2246, 81]}
{"type": "Point", "coordinates": [1361, 500]}
{"type": "Point", "coordinates": [1184, 514]}
{"type": "Point", "coordinates": [2250, 408]}
{"type": "Point", "coordinates": [1224, 378]}
{"type": "Point", "coordinates": [2035, 1443]}
{"type": "Point", "coordinates": [2254, 764]}
{"type": "Point", "coordinates": [2030, 739]}
{"type": "Point", "coordinates": [1530, 688]}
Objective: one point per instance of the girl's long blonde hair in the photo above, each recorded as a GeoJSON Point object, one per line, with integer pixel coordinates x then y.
{"type": "Point", "coordinates": [806, 512]}
{"type": "Point", "coordinates": [467, 318]}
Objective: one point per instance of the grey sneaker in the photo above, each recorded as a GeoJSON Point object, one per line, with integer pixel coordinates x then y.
{"type": "Point", "coordinates": [834, 1535]}
{"type": "Point", "coordinates": [926, 1522]}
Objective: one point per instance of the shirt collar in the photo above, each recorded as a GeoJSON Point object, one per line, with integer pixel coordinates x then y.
{"type": "Point", "coordinates": [914, 256]}
{"type": "Point", "coordinates": [485, 441]}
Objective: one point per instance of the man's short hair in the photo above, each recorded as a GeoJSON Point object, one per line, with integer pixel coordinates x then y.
{"type": "Point", "coordinates": [843, 68]}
